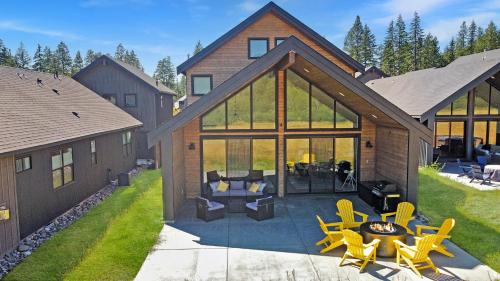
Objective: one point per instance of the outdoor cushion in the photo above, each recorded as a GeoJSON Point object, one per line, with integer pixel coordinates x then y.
{"type": "Point", "coordinates": [262, 185]}
{"type": "Point", "coordinates": [215, 206]}
{"type": "Point", "coordinates": [252, 205]}
{"type": "Point", "coordinates": [237, 185]}
{"type": "Point", "coordinates": [254, 187]}
{"type": "Point", "coordinates": [237, 192]}
{"type": "Point", "coordinates": [257, 202]}
{"type": "Point", "coordinates": [222, 186]}
{"type": "Point", "coordinates": [221, 194]}
{"type": "Point", "coordinates": [214, 185]}
{"type": "Point", "coordinates": [258, 193]}
{"type": "Point", "coordinates": [249, 183]}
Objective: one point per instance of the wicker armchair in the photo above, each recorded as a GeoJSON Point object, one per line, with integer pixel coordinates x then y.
{"type": "Point", "coordinates": [208, 211]}
{"type": "Point", "coordinates": [261, 209]}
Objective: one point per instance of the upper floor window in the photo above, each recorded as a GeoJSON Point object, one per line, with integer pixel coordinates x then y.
{"type": "Point", "coordinates": [62, 167]}
{"type": "Point", "coordinates": [23, 163]}
{"type": "Point", "coordinates": [253, 107]}
{"type": "Point", "coordinates": [486, 100]}
{"type": "Point", "coordinates": [110, 97]}
{"type": "Point", "coordinates": [257, 47]}
{"type": "Point", "coordinates": [309, 107]}
{"type": "Point", "coordinates": [279, 40]}
{"type": "Point", "coordinates": [127, 143]}
{"type": "Point", "coordinates": [93, 152]}
{"type": "Point", "coordinates": [456, 108]}
{"type": "Point", "coordinates": [130, 100]}
{"type": "Point", "coordinates": [201, 84]}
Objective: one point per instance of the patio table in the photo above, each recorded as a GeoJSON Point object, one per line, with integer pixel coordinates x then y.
{"type": "Point", "coordinates": [495, 169]}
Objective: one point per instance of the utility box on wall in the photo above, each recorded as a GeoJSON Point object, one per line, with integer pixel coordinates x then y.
{"type": "Point", "coordinates": [124, 179]}
{"type": "Point", "coordinates": [4, 213]}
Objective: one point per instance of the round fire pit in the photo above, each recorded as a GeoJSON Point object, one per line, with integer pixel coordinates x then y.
{"type": "Point", "coordinates": [385, 231]}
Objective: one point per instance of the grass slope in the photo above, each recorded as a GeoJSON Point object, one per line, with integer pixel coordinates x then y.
{"type": "Point", "coordinates": [74, 253]}
{"type": "Point", "coordinates": [477, 214]}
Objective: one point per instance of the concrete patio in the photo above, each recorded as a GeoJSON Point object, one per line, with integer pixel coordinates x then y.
{"type": "Point", "coordinates": [453, 171]}
{"type": "Point", "coordinates": [283, 248]}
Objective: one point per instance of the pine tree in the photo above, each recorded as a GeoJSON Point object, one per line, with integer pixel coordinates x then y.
{"type": "Point", "coordinates": [47, 60]}
{"type": "Point", "coordinates": [165, 73]}
{"type": "Point", "coordinates": [120, 52]}
{"type": "Point", "coordinates": [354, 40]}
{"type": "Point", "coordinates": [181, 86]}
{"type": "Point", "coordinates": [63, 59]}
{"type": "Point", "coordinates": [387, 58]}
{"type": "Point", "coordinates": [132, 59]}
{"type": "Point", "coordinates": [471, 38]}
{"type": "Point", "coordinates": [416, 41]}
{"type": "Point", "coordinates": [449, 54]}
{"type": "Point", "coordinates": [369, 47]}
{"type": "Point", "coordinates": [6, 57]}
{"type": "Point", "coordinates": [77, 63]}
{"type": "Point", "coordinates": [402, 47]}
{"type": "Point", "coordinates": [22, 57]}
{"type": "Point", "coordinates": [430, 55]}
{"type": "Point", "coordinates": [461, 40]}
{"type": "Point", "coordinates": [90, 56]}
{"type": "Point", "coordinates": [38, 59]}
{"type": "Point", "coordinates": [197, 48]}
{"type": "Point", "coordinates": [488, 40]}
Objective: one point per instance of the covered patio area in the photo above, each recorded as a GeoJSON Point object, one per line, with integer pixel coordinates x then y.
{"type": "Point", "coordinates": [282, 248]}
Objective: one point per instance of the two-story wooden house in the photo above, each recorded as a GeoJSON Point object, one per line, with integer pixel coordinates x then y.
{"type": "Point", "coordinates": [133, 91]}
{"type": "Point", "coordinates": [273, 95]}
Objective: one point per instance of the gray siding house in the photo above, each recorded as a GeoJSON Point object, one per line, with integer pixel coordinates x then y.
{"type": "Point", "coordinates": [132, 90]}
{"type": "Point", "coordinates": [59, 143]}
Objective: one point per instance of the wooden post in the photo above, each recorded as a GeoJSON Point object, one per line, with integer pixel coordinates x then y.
{"type": "Point", "coordinates": [413, 154]}
{"type": "Point", "coordinates": [167, 174]}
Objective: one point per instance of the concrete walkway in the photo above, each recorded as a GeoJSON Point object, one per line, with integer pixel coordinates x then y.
{"type": "Point", "coordinates": [283, 248]}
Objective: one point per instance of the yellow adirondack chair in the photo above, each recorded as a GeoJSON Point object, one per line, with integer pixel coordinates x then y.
{"type": "Point", "coordinates": [346, 213]}
{"type": "Point", "coordinates": [333, 238]}
{"type": "Point", "coordinates": [403, 214]}
{"type": "Point", "coordinates": [356, 249]}
{"type": "Point", "coordinates": [418, 254]}
{"type": "Point", "coordinates": [442, 232]}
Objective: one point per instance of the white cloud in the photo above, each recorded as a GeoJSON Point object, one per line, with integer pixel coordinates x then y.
{"type": "Point", "coordinates": [408, 7]}
{"type": "Point", "coordinates": [16, 26]}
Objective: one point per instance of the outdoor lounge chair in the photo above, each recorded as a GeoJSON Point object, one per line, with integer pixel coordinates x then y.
{"type": "Point", "coordinates": [261, 209]}
{"type": "Point", "coordinates": [466, 170]}
{"type": "Point", "coordinates": [478, 174]}
{"type": "Point", "coordinates": [442, 232]}
{"type": "Point", "coordinates": [403, 215]}
{"type": "Point", "coordinates": [356, 249]}
{"type": "Point", "coordinates": [208, 211]}
{"type": "Point", "coordinates": [418, 254]}
{"type": "Point", "coordinates": [346, 213]}
{"type": "Point", "coordinates": [333, 238]}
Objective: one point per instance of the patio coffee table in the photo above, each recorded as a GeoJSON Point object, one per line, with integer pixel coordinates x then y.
{"type": "Point", "coordinates": [236, 204]}
{"type": "Point", "coordinates": [386, 247]}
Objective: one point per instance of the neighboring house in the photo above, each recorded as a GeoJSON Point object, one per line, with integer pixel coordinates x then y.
{"type": "Point", "coordinates": [129, 88]}
{"type": "Point", "coordinates": [59, 143]}
{"type": "Point", "coordinates": [273, 95]}
{"type": "Point", "coordinates": [460, 103]}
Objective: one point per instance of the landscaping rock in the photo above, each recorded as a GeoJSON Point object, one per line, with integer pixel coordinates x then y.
{"type": "Point", "coordinates": [23, 248]}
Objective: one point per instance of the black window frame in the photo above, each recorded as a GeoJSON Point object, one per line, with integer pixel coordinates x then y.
{"type": "Point", "coordinates": [93, 152]}
{"type": "Point", "coordinates": [278, 38]}
{"type": "Point", "coordinates": [193, 76]}
{"type": "Point", "coordinates": [256, 38]}
{"type": "Point", "coordinates": [60, 152]}
{"type": "Point", "coordinates": [125, 100]}
{"type": "Point", "coordinates": [106, 96]}
{"type": "Point", "coordinates": [490, 92]}
{"type": "Point", "coordinates": [127, 143]}
{"type": "Point", "coordinates": [23, 168]}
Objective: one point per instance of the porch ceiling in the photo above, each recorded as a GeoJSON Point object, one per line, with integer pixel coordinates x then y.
{"type": "Point", "coordinates": [349, 98]}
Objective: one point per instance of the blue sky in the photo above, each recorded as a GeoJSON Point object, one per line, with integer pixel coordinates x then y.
{"type": "Point", "coordinates": [157, 28]}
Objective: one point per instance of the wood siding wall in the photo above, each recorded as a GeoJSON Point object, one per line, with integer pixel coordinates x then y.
{"type": "Point", "coordinates": [9, 231]}
{"type": "Point", "coordinates": [108, 78]}
{"type": "Point", "coordinates": [392, 156]}
{"type": "Point", "coordinates": [39, 202]}
{"type": "Point", "coordinates": [233, 56]}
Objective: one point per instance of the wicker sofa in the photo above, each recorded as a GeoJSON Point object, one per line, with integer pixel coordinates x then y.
{"type": "Point", "coordinates": [238, 187]}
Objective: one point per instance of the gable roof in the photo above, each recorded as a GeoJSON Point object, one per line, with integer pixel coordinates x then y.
{"type": "Point", "coordinates": [34, 115]}
{"type": "Point", "coordinates": [150, 81]}
{"type": "Point", "coordinates": [271, 7]}
{"type": "Point", "coordinates": [422, 93]}
{"type": "Point", "coordinates": [266, 62]}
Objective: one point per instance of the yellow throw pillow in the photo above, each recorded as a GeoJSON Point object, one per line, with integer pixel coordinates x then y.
{"type": "Point", "coordinates": [254, 187]}
{"type": "Point", "coordinates": [222, 187]}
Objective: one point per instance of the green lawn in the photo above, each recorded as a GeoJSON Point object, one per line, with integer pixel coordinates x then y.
{"type": "Point", "coordinates": [108, 243]}
{"type": "Point", "coordinates": [477, 214]}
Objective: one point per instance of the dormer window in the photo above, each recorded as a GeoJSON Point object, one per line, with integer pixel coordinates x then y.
{"type": "Point", "coordinates": [257, 47]}
{"type": "Point", "coordinates": [201, 84]}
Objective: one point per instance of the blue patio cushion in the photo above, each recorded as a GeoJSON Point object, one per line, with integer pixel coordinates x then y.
{"type": "Point", "coordinates": [252, 205]}
{"type": "Point", "coordinates": [221, 194]}
{"type": "Point", "coordinates": [237, 192]}
{"type": "Point", "coordinates": [237, 185]}
{"type": "Point", "coordinates": [258, 193]}
{"type": "Point", "coordinates": [214, 185]}
{"type": "Point", "coordinates": [215, 206]}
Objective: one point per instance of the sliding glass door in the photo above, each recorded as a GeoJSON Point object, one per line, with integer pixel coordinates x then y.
{"type": "Point", "coordinates": [321, 164]}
